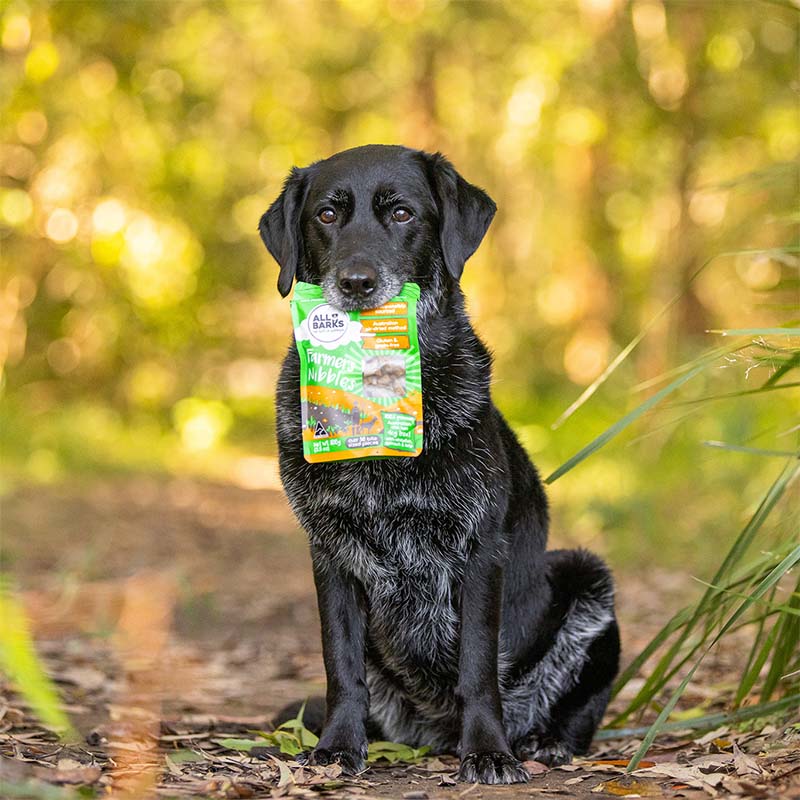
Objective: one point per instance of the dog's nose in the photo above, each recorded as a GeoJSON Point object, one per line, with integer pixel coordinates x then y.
{"type": "Point", "coordinates": [358, 281]}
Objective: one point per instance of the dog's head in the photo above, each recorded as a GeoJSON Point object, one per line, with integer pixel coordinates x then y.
{"type": "Point", "coordinates": [366, 220]}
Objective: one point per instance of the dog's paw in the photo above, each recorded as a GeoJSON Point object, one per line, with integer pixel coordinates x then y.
{"type": "Point", "coordinates": [492, 766]}
{"type": "Point", "coordinates": [544, 749]}
{"type": "Point", "coordinates": [351, 761]}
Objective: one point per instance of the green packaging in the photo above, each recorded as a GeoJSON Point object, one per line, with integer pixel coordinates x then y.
{"type": "Point", "coordinates": [360, 377]}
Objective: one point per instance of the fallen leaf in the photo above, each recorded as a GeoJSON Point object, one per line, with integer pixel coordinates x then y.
{"type": "Point", "coordinates": [611, 768]}
{"type": "Point", "coordinates": [745, 764]}
{"type": "Point", "coordinates": [714, 779]}
{"type": "Point", "coordinates": [711, 736]}
{"type": "Point", "coordinates": [713, 762]}
{"type": "Point", "coordinates": [286, 776]}
{"type": "Point", "coordinates": [73, 775]}
{"type": "Point", "coordinates": [434, 765]}
{"type": "Point", "coordinates": [535, 767]}
{"type": "Point", "coordinates": [65, 764]}
{"type": "Point", "coordinates": [737, 786]}
{"type": "Point", "coordinates": [624, 787]}
{"type": "Point", "coordinates": [680, 773]}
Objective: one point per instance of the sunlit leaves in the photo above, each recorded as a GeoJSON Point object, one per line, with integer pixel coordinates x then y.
{"type": "Point", "coordinates": [142, 143]}
{"type": "Point", "coordinates": [201, 423]}
{"type": "Point", "coordinates": [20, 662]}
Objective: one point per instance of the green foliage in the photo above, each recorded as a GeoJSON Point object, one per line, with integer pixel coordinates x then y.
{"type": "Point", "coordinates": [395, 753]}
{"type": "Point", "coordinates": [745, 591]}
{"type": "Point", "coordinates": [292, 737]}
{"type": "Point", "coordinates": [764, 586]}
{"type": "Point", "coordinates": [291, 743]}
{"type": "Point", "coordinates": [625, 143]}
{"type": "Point", "coordinates": [760, 711]}
{"type": "Point", "coordinates": [246, 745]}
{"type": "Point", "coordinates": [623, 423]}
{"type": "Point", "coordinates": [19, 661]}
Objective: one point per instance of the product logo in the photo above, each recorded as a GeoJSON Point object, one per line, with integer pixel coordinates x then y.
{"type": "Point", "coordinates": [327, 324]}
{"type": "Point", "coordinates": [328, 327]}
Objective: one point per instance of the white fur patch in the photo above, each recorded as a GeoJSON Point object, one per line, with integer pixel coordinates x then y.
{"type": "Point", "coordinates": [528, 703]}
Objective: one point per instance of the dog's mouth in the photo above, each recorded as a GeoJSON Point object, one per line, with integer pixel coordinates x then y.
{"type": "Point", "coordinates": [381, 294]}
{"type": "Point", "coordinates": [348, 304]}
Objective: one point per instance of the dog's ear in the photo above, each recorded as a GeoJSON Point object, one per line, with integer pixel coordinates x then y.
{"type": "Point", "coordinates": [280, 228]}
{"type": "Point", "coordinates": [465, 212]}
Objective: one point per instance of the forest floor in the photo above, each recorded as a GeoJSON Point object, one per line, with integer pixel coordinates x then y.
{"type": "Point", "coordinates": [174, 614]}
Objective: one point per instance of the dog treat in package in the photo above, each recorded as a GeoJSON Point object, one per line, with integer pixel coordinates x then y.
{"type": "Point", "coordinates": [360, 377]}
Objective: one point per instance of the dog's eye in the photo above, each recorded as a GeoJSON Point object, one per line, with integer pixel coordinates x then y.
{"type": "Point", "coordinates": [327, 215]}
{"type": "Point", "coordinates": [401, 214]}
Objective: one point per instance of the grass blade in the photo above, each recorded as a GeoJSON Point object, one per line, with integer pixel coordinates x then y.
{"type": "Point", "coordinates": [769, 581]}
{"type": "Point", "coordinates": [729, 395]}
{"type": "Point", "coordinates": [756, 331]}
{"type": "Point", "coordinates": [665, 668]}
{"type": "Point", "coordinates": [774, 252]}
{"type": "Point", "coordinates": [630, 671]}
{"type": "Point", "coordinates": [787, 366]}
{"type": "Point", "coordinates": [621, 424]}
{"type": "Point", "coordinates": [757, 451]}
{"type": "Point", "coordinates": [709, 355]}
{"type": "Point", "coordinates": [709, 721]}
{"type": "Point", "coordinates": [788, 628]}
{"type": "Point", "coordinates": [757, 657]}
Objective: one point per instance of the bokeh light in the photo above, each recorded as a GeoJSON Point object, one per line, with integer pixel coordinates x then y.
{"type": "Point", "coordinates": [626, 144]}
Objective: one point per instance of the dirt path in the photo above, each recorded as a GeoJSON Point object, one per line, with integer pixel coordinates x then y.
{"type": "Point", "coordinates": [174, 614]}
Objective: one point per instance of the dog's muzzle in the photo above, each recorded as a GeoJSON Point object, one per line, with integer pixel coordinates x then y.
{"type": "Point", "coordinates": [357, 282]}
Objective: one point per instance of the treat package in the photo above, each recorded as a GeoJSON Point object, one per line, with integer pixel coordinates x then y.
{"type": "Point", "coordinates": [360, 377]}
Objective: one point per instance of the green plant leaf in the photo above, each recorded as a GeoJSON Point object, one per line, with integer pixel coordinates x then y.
{"type": "Point", "coordinates": [674, 624]}
{"type": "Point", "coordinates": [20, 662]}
{"type": "Point", "coordinates": [743, 393]}
{"type": "Point", "coordinates": [758, 451]}
{"type": "Point", "coordinates": [769, 581]}
{"type": "Point", "coordinates": [245, 745]}
{"type": "Point", "coordinates": [631, 346]}
{"type": "Point", "coordinates": [623, 423]}
{"type": "Point", "coordinates": [709, 721]}
{"type": "Point", "coordinates": [306, 738]}
{"type": "Point", "coordinates": [667, 666]}
{"type": "Point", "coordinates": [394, 752]}
{"type": "Point", "coordinates": [756, 331]}
{"type": "Point", "coordinates": [787, 366]}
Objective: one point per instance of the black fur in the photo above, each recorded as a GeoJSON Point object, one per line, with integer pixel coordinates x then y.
{"type": "Point", "coordinates": [444, 621]}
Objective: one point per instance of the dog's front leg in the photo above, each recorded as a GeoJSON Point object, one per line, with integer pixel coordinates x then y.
{"type": "Point", "coordinates": [343, 620]}
{"type": "Point", "coordinates": [485, 753]}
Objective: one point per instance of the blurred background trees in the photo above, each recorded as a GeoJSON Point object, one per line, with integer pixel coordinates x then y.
{"type": "Point", "coordinates": [626, 143]}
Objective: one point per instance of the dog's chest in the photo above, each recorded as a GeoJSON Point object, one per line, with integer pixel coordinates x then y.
{"type": "Point", "coordinates": [394, 523]}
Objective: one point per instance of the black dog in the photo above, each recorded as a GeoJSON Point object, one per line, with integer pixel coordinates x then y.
{"type": "Point", "coordinates": [444, 621]}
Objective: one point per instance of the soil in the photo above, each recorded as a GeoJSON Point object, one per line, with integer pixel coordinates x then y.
{"type": "Point", "coordinates": [174, 613]}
